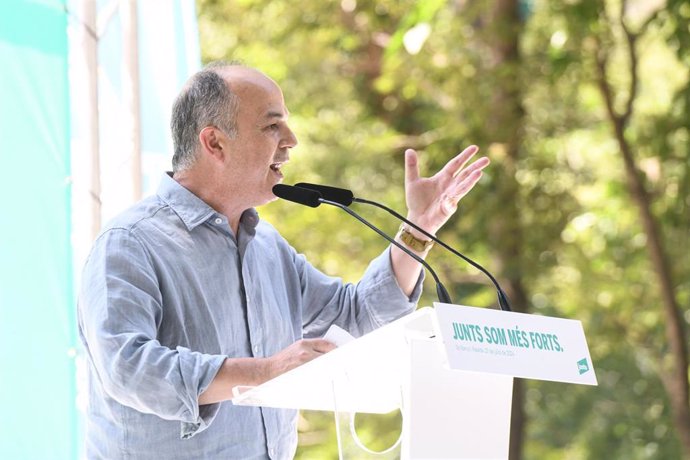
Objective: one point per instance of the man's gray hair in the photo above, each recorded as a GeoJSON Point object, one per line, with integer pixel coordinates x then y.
{"type": "Point", "coordinates": [205, 101]}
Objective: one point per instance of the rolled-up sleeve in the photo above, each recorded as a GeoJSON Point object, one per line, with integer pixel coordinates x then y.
{"type": "Point", "coordinates": [120, 309]}
{"type": "Point", "coordinates": [375, 300]}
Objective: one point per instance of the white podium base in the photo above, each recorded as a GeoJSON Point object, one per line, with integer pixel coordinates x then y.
{"type": "Point", "coordinates": [451, 414]}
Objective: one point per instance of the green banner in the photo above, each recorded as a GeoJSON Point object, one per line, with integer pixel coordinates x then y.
{"type": "Point", "coordinates": [37, 321]}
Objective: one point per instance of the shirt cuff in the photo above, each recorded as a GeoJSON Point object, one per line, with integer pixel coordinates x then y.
{"type": "Point", "coordinates": [417, 291]}
{"type": "Point", "coordinates": [385, 299]}
{"type": "Point", "coordinates": [204, 415]}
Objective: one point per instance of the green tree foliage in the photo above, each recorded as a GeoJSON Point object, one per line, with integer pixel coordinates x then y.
{"type": "Point", "coordinates": [366, 79]}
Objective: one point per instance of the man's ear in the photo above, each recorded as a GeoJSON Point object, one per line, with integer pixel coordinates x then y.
{"type": "Point", "coordinates": [213, 143]}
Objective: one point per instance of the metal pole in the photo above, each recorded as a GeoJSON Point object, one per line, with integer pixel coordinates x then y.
{"type": "Point", "coordinates": [90, 48]}
{"type": "Point", "coordinates": [130, 92]}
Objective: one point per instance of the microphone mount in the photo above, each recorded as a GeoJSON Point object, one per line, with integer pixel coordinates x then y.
{"type": "Point", "coordinates": [503, 301]}
{"type": "Point", "coordinates": [345, 197]}
{"type": "Point", "coordinates": [313, 198]}
{"type": "Point", "coordinates": [441, 290]}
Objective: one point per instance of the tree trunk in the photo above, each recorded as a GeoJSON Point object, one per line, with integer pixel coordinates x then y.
{"type": "Point", "coordinates": [674, 366]}
{"type": "Point", "coordinates": [505, 117]}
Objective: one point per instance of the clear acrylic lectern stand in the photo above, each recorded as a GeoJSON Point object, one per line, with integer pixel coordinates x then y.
{"type": "Point", "coordinates": [447, 414]}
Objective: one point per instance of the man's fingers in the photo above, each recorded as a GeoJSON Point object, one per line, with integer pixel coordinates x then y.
{"type": "Point", "coordinates": [470, 170]}
{"type": "Point", "coordinates": [462, 187]}
{"type": "Point", "coordinates": [411, 166]}
{"type": "Point", "coordinates": [456, 164]}
{"type": "Point", "coordinates": [319, 345]}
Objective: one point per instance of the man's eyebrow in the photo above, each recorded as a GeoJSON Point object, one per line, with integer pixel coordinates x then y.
{"type": "Point", "coordinates": [270, 115]}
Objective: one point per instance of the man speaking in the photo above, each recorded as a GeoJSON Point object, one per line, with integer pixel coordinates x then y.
{"type": "Point", "coordinates": [189, 293]}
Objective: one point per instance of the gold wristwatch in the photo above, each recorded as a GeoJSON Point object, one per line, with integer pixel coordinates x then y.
{"type": "Point", "coordinates": [412, 241]}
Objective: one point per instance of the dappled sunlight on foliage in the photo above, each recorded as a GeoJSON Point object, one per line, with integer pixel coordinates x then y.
{"type": "Point", "coordinates": [553, 216]}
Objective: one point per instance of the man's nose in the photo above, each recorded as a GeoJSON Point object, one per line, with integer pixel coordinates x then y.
{"type": "Point", "coordinates": [289, 139]}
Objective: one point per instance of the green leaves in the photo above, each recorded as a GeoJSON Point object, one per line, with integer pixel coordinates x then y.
{"type": "Point", "coordinates": [358, 98]}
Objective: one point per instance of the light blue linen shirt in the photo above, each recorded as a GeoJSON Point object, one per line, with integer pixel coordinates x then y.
{"type": "Point", "coordinates": [168, 292]}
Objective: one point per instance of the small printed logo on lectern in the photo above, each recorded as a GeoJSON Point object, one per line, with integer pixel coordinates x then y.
{"type": "Point", "coordinates": [583, 366]}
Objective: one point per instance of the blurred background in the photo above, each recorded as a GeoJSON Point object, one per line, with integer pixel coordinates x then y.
{"type": "Point", "coordinates": [583, 107]}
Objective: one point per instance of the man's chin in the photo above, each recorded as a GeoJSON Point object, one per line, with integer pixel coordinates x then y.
{"type": "Point", "coordinates": [266, 198]}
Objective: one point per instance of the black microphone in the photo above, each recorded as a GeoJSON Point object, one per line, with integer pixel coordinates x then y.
{"type": "Point", "coordinates": [346, 197]}
{"type": "Point", "coordinates": [339, 195]}
{"type": "Point", "coordinates": [299, 195]}
{"type": "Point", "coordinates": [313, 199]}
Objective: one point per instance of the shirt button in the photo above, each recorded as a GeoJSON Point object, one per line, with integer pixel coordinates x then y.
{"type": "Point", "coordinates": [271, 452]}
{"type": "Point", "coordinates": [218, 220]}
{"type": "Point", "coordinates": [257, 348]}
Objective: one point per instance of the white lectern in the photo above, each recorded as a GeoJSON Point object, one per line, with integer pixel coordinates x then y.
{"type": "Point", "coordinates": [447, 414]}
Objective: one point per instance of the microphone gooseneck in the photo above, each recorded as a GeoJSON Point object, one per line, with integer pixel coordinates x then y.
{"type": "Point", "coordinates": [441, 291]}
{"type": "Point", "coordinates": [313, 199]}
{"type": "Point", "coordinates": [502, 297]}
{"type": "Point", "coordinates": [345, 197]}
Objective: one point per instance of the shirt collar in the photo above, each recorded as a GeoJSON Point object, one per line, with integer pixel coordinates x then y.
{"type": "Point", "coordinates": [191, 209]}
